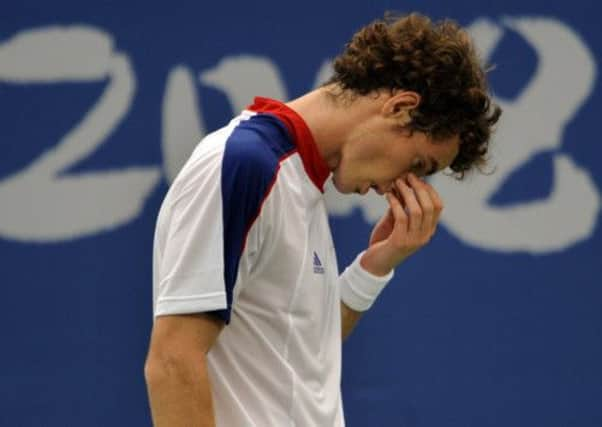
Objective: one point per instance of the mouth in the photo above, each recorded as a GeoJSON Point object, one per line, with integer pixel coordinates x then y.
{"type": "Point", "coordinates": [364, 190]}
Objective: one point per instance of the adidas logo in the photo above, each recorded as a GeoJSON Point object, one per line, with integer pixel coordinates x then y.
{"type": "Point", "coordinates": [318, 268]}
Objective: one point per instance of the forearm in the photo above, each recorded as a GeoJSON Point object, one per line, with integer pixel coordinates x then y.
{"type": "Point", "coordinates": [349, 319]}
{"type": "Point", "coordinates": [179, 393]}
{"type": "Point", "coordinates": [359, 285]}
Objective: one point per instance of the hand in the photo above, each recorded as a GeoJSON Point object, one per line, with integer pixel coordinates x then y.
{"type": "Point", "coordinates": [401, 231]}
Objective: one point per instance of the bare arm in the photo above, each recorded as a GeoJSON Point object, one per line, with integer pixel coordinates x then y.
{"type": "Point", "coordinates": [349, 319]}
{"type": "Point", "coordinates": [176, 370]}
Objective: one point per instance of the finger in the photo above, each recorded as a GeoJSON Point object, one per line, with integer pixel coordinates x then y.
{"type": "Point", "coordinates": [387, 216]}
{"type": "Point", "coordinates": [424, 199]}
{"type": "Point", "coordinates": [413, 207]}
{"type": "Point", "coordinates": [399, 214]}
{"type": "Point", "coordinates": [437, 202]}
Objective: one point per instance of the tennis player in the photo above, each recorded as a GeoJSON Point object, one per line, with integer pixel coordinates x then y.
{"type": "Point", "coordinates": [250, 309]}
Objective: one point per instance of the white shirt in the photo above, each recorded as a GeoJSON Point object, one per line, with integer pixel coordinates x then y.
{"type": "Point", "coordinates": [243, 233]}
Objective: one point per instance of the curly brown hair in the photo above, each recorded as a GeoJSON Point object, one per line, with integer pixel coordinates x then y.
{"type": "Point", "coordinates": [436, 60]}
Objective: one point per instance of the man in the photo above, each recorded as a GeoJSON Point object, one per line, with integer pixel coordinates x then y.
{"type": "Point", "coordinates": [249, 309]}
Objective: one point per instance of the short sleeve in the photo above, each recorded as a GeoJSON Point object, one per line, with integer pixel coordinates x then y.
{"type": "Point", "coordinates": [190, 234]}
{"type": "Point", "coordinates": [208, 223]}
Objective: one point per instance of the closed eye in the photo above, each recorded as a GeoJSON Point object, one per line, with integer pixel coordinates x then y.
{"type": "Point", "coordinates": [418, 166]}
{"type": "Point", "coordinates": [434, 167]}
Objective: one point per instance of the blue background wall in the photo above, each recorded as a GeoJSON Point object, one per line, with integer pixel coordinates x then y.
{"type": "Point", "coordinates": [498, 322]}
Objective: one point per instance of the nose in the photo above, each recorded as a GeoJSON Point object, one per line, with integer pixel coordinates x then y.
{"type": "Point", "coordinates": [388, 187]}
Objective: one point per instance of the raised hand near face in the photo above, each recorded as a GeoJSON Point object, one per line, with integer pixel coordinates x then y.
{"type": "Point", "coordinates": [408, 224]}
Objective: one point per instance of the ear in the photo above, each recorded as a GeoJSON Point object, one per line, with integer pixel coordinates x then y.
{"type": "Point", "coordinates": [399, 105]}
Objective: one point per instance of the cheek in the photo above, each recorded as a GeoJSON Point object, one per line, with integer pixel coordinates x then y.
{"type": "Point", "coordinates": [392, 169]}
{"type": "Point", "coordinates": [351, 166]}
{"type": "Point", "coordinates": [375, 162]}
{"type": "Point", "coordinates": [389, 162]}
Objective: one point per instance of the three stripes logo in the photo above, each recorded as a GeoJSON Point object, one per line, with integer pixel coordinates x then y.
{"type": "Point", "coordinates": [318, 267]}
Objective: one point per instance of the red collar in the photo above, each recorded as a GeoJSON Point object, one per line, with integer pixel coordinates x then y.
{"type": "Point", "coordinates": [314, 165]}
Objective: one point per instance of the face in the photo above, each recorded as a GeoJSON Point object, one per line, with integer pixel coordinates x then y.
{"type": "Point", "coordinates": [379, 151]}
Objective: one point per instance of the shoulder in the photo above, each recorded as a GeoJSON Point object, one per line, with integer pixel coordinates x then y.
{"type": "Point", "coordinates": [256, 147]}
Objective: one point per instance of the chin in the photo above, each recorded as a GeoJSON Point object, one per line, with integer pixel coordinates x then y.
{"type": "Point", "coordinates": [341, 188]}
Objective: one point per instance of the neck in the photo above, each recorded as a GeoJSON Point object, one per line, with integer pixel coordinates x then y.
{"type": "Point", "coordinates": [329, 120]}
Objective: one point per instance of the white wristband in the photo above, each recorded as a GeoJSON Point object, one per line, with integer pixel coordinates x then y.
{"type": "Point", "coordinates": [360, 288]}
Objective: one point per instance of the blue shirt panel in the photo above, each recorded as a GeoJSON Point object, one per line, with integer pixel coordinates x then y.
{"type": "Point", "coordinates": [249, 168]}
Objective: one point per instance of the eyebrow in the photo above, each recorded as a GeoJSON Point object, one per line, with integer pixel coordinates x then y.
{"type": "Point", "coordinates": [434, 167]}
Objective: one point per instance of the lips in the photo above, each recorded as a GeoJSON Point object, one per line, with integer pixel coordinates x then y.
{"type": "Point", "coordinates": [362, 191]}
